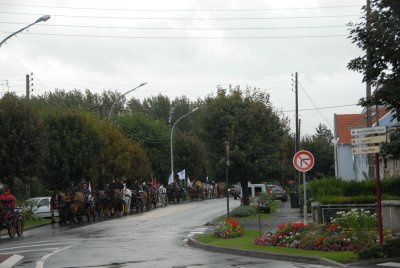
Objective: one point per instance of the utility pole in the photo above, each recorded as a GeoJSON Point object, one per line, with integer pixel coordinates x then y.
{"type": "Point", "coordinates": [368, 81]}
{"type": "Point", "coordinates": [28, 90]}
{"type": "Point", "coordinates": [297, 144]}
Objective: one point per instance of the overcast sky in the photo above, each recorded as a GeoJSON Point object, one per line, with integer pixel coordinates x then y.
{"type": "Point", "coordinates": [187, 47]}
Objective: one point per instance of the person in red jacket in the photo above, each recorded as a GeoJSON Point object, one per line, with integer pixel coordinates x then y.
{"type": "Point", "coordinates": [7, 199]}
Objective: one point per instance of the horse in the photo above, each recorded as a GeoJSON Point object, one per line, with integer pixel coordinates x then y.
{"type": "Point", "coordinates": [127, 197]}
{"type": "Point", "coordinates": [117, 201]}
{"type": "Point", "coordinates": [162, 196]}
{"type": "Point", "coordinates": [151, 197]}
{"type": "Point", "coordinates": [137, 200]}
{"type": "Point", "coordinates": [220, 189]}
{"type": "Point", "coordinates": [77, 205]}
{"type": "Point", "coordinates": [103, 203]}
{"type": "Point", "coordinates": [175, 192]}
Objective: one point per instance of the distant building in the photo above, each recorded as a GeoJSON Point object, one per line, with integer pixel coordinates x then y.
{"type": "Point", "coordinates": [355, 167]}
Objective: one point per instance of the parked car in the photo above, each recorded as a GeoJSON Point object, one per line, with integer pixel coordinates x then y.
{"type": "Point", "coordinates": [277, 192]}
{"type": "Point", "coordinates": [39, 206]}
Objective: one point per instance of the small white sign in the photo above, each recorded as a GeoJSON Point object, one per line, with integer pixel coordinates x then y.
{"type": "Point", "coordinates": [368, 140]}
{"type": "Point", "coordinates": [366, 150]}
{"type": "Point", "coordinates": [368, 131]}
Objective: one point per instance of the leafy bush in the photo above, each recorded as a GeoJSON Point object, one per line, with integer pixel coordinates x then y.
{"type": "Point", "coordinates": [243, 211]}
{"type": "Point", "coordinates": [335, 191]}
{"type": "Point", "coordinates": [362, 199]}
{"type": "Point", "coordinates": [229, 228]}
{"type": "Point", "coordinates": [391, 248]}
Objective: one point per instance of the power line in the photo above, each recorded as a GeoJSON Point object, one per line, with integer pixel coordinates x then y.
{"type": "Point", "coordinates": [183, 10]}
{"type": "Point", "coordinates": [322, 108]}
{"type": "Point", "coordinates": [314, 105]}
{"type": "Point", "coordinates": [183, 28]}
{"type": "Point", "coordinates": [188, 37]}
{"type": "Point", "coordinates": [187, 18]}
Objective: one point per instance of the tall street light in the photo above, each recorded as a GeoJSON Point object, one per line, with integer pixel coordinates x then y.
{"type": "Point", "coordinates": [129, 91]}
{"type": "Point", "coordinates": [43, 18]}
{"type": "Point", "coordinates": [172, 130]}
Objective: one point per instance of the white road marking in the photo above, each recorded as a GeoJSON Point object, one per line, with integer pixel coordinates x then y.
{"type": "Point", "coordinates": [35, 245]}
{"type": "Point", "coordinates": [39, 264]}
{"type": "Point", "coordinates": [390, 264]}
{"type": "Point", "coordinates": [29, 250]}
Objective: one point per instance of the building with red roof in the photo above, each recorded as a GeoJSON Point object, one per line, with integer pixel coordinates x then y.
{"type": "Point", "coordinates": [347, 165]}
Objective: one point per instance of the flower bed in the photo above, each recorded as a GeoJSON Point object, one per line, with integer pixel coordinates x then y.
{"type": "Point", "coordinates": [229, 228]}
{"type": "Point", "coordinates": [311, 237]}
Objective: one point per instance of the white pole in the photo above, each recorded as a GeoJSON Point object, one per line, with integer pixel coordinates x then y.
{"type": "Point", "coordinates": [305, 199]}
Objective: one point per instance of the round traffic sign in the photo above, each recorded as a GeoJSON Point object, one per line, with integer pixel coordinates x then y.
{"type": "Point", "coordinates": [303, 161]}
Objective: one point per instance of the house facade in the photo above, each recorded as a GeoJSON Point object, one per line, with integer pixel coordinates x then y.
{"type": "Point", "coordinates": [355, 167]}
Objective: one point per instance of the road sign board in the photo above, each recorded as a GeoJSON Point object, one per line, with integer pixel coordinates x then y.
{"type": "Point", "coordinates": [303, 161]}
{"type": "Point", "coordinates": [368, 131]}
{"type": "Point", "coordinates": [368, 140]}
{"type": "Point", "coordinates": [365, 150]}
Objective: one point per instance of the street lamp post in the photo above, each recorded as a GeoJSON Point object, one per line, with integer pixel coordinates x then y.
{"type": "Point", "coordinates": [129, 91]}
{"type": "Point", "coordinates": [172, 130]}
{"type": "Point", "coordinates": [227, 144]}
{"type": "Point", "coordinates": [43, 18]}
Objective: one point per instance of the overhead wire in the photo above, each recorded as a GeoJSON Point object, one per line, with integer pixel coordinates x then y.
{"type": "Point", "coordinates": [186, 18]}
{"type": "Point", "coordinates": [318, 110]}
{"type": "Point", "coordinates": [183, 10]}
{"type": "Point", "coordinates": [182, 28]}
{"type": "Point", "coordinates": [188, 37]}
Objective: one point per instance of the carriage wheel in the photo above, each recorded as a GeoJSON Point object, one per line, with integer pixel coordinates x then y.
{"type": "Point", "coordinates": [12, 228]}
{"type": "Point", "coordinates": [20, 225]}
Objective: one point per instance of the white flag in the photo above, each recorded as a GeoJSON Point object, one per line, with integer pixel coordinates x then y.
{"type": "Point", "coordinates": [90, 192]}
{"type": "Point", "coordinates": [181, 175]}
{"type": "Point", "coordinates": [206, 178]}
{"type": "Point", "coordinates": [189, 183]}
{"type": "Point", "coordinates": [170, 179]}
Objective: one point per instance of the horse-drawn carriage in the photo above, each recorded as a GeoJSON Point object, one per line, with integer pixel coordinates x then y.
{"type": "Point", "coordinates": [11, 218]}
{"type": "Point", "coordinates": [73, 207]}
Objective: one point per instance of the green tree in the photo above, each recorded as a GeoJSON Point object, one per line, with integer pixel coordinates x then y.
{"type": "Point", "coordinates": [381, 39]}
{"type": "Point", "coordinates": [255, 133]}
{"type": "Point", "coordinates": [120, 157]}
{"type": "Point", "coordinates": [190, 154]}
{"type": "Point", "coordinates": [154, 136]}
{"type": "Point", "coordinates": [22, 141]}
{"type": "Point", "coordinates": [321, 146]}
{"type": "Point", "coordinates": [74, 145]}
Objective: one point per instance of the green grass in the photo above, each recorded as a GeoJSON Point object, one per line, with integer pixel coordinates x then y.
{"type": "Point", "coordinates": [246, 242]}
{"type": "Point", "coordinates": [39, 220]}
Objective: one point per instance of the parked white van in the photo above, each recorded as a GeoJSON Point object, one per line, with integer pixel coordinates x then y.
{"type": "Point", "coordinates": [256, 189]}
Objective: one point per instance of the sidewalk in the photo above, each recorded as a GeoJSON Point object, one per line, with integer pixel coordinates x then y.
{"type": "Point", "coordinates": [284, 214]}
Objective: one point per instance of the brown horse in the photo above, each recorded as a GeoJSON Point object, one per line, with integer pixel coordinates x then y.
{"type": "Point", "coordinates": [77, 204]}
{"type": "Point", "coordinates": [118, 202]}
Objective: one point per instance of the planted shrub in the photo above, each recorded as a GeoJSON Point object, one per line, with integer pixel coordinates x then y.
{"type": "Point", "coordinates": [243, 211]}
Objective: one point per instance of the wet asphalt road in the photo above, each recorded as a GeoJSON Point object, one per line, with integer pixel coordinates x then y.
{"type": "Point", "coordinates": [152, 239]}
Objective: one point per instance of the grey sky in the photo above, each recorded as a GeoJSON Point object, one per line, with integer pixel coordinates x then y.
{"type": "Point", "coordinates": [193, 49]}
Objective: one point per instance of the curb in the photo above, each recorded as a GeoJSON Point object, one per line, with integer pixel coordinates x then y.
{"type": "Point", "coordinates": [11, 261]}
{"type": "Point", "coordinates": [266, 255]}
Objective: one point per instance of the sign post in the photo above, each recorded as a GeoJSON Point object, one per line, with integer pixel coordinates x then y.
{"type": "Point", "coordinates": [355, 132]}
{"type": "Point", "coordinates": [303, 161]}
